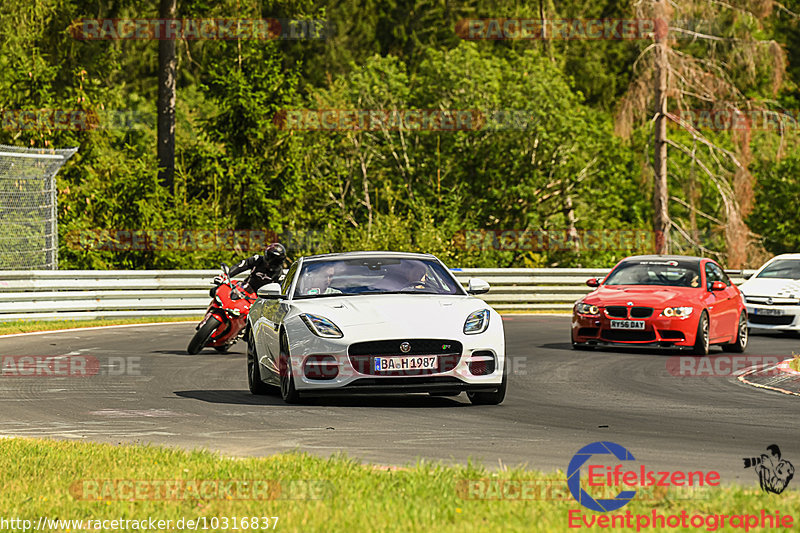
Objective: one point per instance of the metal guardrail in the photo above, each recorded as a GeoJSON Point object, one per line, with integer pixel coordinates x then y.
{"type": "Point", "coordinates": [92, 294]}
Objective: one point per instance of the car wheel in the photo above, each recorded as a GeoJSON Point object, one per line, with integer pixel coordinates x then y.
{"type": "Point", "coordinates": [253, 375]}
{"type": "Point", "coordinates": [740, 343]}
{"type": "Point", "coordinates": [701, 343]}
{"type": "Point", "coordinates": [202, 335]}
{"type": "Point", "coordinates": [491, 398]}
{"type": "Point", "coordinates": [288, 392]}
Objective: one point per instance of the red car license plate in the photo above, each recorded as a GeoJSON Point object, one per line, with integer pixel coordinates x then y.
{"type": "Point", "coordinates": [627, 324]}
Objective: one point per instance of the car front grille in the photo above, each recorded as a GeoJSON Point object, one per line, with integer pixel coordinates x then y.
{"type": "Point", "coordinates": [641, 312]}
{"type": "Point", "coordinates": [448, 353]}
{"type": "Point", "coordinates": [622, 335]}
{"type": "Point", "coordinates": [782, 320]}
{"type": "Point", "coordinates": [617, 311]}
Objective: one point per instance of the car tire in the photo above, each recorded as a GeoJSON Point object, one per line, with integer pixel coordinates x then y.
{"type": "Point", "coordinates": [254, 382]}
{"type": "Point", "coordinates": [491, 398]}
{"type": "Point", "coordinates": [739, 345]}
{"type": "Point", "coordinates": [288, 392]}
{"type": "Point", "coordinates": [202, 335]}
{"type": "Point", "coordinates": [702, 342]}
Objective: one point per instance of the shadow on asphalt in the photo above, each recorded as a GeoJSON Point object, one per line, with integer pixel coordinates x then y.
{"type": "Point", "coordinates": [243, 397]}
{"type": "Point", "coordinates": [205, 352]}
{"type": "Point", "coordinates": [621, 350]}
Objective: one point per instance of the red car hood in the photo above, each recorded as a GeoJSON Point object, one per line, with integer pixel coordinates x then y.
{"type": "Point", "coordinates": [647, 295]}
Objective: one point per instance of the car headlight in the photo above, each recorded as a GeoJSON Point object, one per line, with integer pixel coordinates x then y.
{"type": "Point", "coordinates": [477, 322]}
{"type": "Point", "coordinates": [586, 309]}
{"type": "Point", "coordinates": [321, 326]}
{"type": "Point", "coordinates": [677, 312]}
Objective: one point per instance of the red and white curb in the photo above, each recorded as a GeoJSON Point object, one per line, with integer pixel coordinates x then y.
{"type": "Point", "coordinates": [783, 367]}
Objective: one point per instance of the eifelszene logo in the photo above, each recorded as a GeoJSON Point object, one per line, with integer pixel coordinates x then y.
{"type": "Point", "coordinates": [574, 476]}
{"type": "Point", "coordinates": [774, 473]}
{"type": "Point", "coordinates": [606, 477]}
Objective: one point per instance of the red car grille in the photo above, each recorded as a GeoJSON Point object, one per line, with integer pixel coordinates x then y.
{"type": "Point", "coordinates": [617, 311]}
{"type": "Point", "coordinates": [620, 311]}
{"type": "Point", "coordinates": [641, 312]}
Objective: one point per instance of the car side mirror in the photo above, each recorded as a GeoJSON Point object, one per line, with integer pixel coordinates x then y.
{"type": "Point", "coordinates": [747, 276]}
{"type": "Point", "coordinates": [718, 286]}
{"type": "Point", "coordinates": [270, 291]}
{"type": "Point", "coordinates": [477, 286]}
{"type": "Point", "coordinates": [592, 282]}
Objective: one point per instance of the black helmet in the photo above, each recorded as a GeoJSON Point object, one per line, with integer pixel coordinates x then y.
{"type": "Point", "coordinates": [275, 253]}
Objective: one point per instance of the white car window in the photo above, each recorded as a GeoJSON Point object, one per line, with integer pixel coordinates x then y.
{"type": "Point", "coordinates": [782, 269]}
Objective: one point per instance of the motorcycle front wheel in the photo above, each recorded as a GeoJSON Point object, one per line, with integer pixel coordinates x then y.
{"type": "Point", "coordinates": [202, 336]}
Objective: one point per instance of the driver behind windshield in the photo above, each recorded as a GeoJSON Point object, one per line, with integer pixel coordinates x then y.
{"type": "Point", "coordinates": [655, 274]}
{"type": "Point", "coordinates": [416, 275]}
{"type": "Point", "coordinates": [319, 280]}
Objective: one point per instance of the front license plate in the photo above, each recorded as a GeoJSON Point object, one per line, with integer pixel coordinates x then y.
{"type": "Point", "coordinates": [768, 312]}
{"type": "Point", "coordinates": [385, 364]}
{"type": "Point", "coordinates": [627, 324]}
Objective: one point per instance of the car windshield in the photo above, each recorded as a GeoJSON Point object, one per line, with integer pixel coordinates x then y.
{"type": "Point", "coordinates": [665, 272]}
{"type": "Point", "coordinates": [374, 275]}
{"type": "Point", "coordinates": [782, 268]}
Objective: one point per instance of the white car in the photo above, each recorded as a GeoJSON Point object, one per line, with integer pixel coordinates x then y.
{"type": "Point", "coordinates": [773, 294]}
{"type": "Point", "coordinates": [375, 322]}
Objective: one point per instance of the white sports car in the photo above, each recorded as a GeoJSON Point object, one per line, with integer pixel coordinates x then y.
{"type": "Point", "coordinates": [773, 294]}
{"type": "Point", "coordinates": [375, 322]}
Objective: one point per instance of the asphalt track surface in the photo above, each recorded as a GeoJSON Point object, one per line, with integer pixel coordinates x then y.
{"type": "Point", "coordinates": [148, 390]}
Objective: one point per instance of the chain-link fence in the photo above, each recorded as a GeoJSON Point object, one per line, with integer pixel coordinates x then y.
{"type": "Point", "coordinates": [28, 195]}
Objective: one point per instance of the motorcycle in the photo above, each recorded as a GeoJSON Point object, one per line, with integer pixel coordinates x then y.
{"type": "Point", "coordinates": [226, 316]}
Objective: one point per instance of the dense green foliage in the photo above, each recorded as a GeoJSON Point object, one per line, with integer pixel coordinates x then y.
{"type": "Point", "coordinates": [550, 161]}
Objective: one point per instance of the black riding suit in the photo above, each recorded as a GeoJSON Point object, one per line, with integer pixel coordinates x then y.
{"type": "Point", "coordinates": [261, 272]}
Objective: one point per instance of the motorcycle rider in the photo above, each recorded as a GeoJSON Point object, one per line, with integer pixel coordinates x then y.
{"type": "Point", "coordinates": [264, 269]}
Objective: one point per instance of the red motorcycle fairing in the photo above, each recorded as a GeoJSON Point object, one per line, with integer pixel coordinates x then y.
{"type": "Point", "coordinates": [229, 307]}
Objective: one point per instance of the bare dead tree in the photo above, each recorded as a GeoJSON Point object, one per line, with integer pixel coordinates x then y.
{"type": "Point", "coordinates": [706, 80]}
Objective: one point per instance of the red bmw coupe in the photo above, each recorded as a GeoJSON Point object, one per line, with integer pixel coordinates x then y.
{"type": "Point", "coordinates": [662, 301]}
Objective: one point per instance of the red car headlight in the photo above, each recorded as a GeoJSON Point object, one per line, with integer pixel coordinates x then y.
{"type": "Point", "coordinates": [586, 309]}
{"type": "Point", "coordinates": [677, 312]}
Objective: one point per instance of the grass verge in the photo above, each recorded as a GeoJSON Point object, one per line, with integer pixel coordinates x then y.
{"type": "Point", "coordinates": [54, 479]}
{"type": "Point", "coordinates": [28, 326]}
